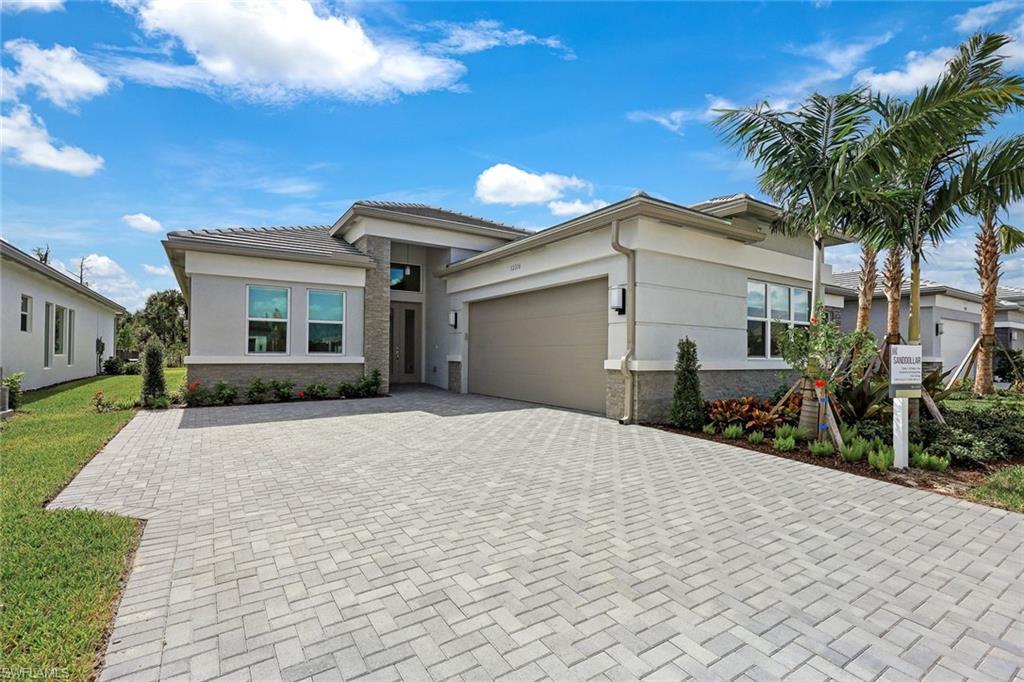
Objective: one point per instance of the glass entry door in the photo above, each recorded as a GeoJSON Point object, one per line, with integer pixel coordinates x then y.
{"type": "Point", "coordinates": [405, 342]}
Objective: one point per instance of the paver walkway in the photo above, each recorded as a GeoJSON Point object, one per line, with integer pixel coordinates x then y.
{"type": "Point", "coordinates": [430, 535]}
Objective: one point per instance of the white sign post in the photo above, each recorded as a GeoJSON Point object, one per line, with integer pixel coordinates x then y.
{"type": "Point", "coordinates": [904, 384]}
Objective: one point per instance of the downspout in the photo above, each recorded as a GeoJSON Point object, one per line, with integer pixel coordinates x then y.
{"type": "Point", "coordinates": [627, 375]}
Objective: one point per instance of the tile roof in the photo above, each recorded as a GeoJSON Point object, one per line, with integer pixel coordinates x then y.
{"type": "Point", "coordinates": [425, 211]}
{"type": "Point", "coordinates": [851, 280]}
{"type": "Point", "coordinates": [311, 240]}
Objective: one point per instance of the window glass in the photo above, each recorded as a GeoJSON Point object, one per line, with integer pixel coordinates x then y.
{"type": "Point", "coordinates": [26, 313]}
{"type": "Point", "coordinates": [755, 338]}
{"type": "Point", "coordinates": [325, 337]}
{"type": "Point", "coordinates": [801, 305]}
{"type": "Point", "coordinates": [777, 328]}
{"type": "Point", "coordinates": [268, 337]}
{"type": "Point", "coordinates": [326, 306]}
{"type": "Point", "coordinates": [58, 330]}
{"type": "Point", "coordinates": [71, 337]}
{"type": "Point", "coordinates": [268, 303]}
{"type": "Point", "coordinates": [47, 342]}
{"type": "Point", "coordinates": [405, 277]}
{"type": "Point", "coordinates": [755, 299]}
{"type": "Point", "coordinates": [779, 301]}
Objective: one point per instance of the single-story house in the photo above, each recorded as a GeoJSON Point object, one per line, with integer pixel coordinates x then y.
{"type": "Point", "coordinates": [54, 328]}
{"type": "Point", "coordinates": [950, 317]}
{"type": "Point", "coordinates": [586, 314]}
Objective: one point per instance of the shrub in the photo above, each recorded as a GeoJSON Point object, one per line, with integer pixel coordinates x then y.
{"type": "Point", "coordinates": [822, 448]}
{"type": "Point", "coordinates": [113, 365]}
{"type": "Point", "coordinates": [347, 389]}
{"type": "Point", "coordinates": [154, 389]}
{"type": "Point", "coordinates": [788, 431]}
{"type": "Point", "coordinates": [756, 438]}
{"type": "Point", "coordinates": [919, 459]}
{"type": "Point", "coordinates": [196, 395]}
{"type": "Point", "coordinates": [872, 429]}
{"type": "Point", "coordinates": [101, 403]}
{"type": "Point", "coordinates": [999, 422]}
{"type": "Point", "coordinates": [882, 457]}
{"type": "Point", "coordinates": [733, 431]}
{"type": "Point", "coordinates": [317, 391]}
{"type": "Point", "coordinates": [282, 390]}
{"type": "Point", "coordinates": [14, 392]}
{"type": "Point", "coordinates": [854, 449]}
{"type": "Point", "coordinates": [848, 432]}
{"type": "Point", "coordinates": [784, 443]}
{"type": "Point", "coordinates": [752, 414]}
{"type": "Point", "coordinates": [256, 391]}
{"type": "Point", "coordinates": [687, 411]}
{"type": "Point", "coordinates": [132, 368]}
{"type": "Point", "coordinates": [369, 386]}
{"type": "Point", "coordinates": [709, 429]}
{"type": "Point", "coordinates": [224, 393]}
{"type": "Point", "coordinates": [1004, 368]}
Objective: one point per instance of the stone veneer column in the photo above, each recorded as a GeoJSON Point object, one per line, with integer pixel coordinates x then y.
{"type": "Point", "coordinates": [377, 307]}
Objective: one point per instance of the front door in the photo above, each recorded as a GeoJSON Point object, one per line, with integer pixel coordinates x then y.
{"type": "Point", "coordinates": [405, 342]}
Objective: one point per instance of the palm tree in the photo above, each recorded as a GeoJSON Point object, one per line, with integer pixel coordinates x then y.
{"type": "Point", "coordinates": [925, 143]}
{"type": "Point", "coordinates": [892, 284]}
{"type": "Point", "coordinates": [996, 174]}
{"type": "Point", "coordinates": [866, 288]}
{"type": "Point", "coordinates": [800, 155]}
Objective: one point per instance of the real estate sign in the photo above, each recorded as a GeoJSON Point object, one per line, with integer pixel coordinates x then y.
{"type": "Point", "coordinates": [905, 371]}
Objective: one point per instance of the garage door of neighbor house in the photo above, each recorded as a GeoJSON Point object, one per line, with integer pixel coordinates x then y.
{"type": "Point", "coordinates": [545, 346]}
{"type": "Point", "coordinates": [957, 338]}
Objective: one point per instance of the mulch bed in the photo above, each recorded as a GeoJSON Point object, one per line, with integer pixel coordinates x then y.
{"type": "Point", "coordinates": [954, 482]}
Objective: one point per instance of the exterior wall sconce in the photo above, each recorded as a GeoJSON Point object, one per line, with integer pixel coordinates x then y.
{"type": "Point", "coordinates": [617, 300]}
{"type": "Point", "coordinates": [453, 319]}
{"type": "Point", "coordinates": [408, 270]}
{"type": "Point", "coordinates": [938, 329]}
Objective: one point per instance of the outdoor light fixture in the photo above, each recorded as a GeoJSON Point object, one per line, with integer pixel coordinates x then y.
{"type": "Point", "coordinates": [453, 319]}
{"type": "Point", "coordinates": [617, 300]}
{"type": "Point", "coordinates": [408, 270]}
{"type": "Point", "coordinates": [938, 329]}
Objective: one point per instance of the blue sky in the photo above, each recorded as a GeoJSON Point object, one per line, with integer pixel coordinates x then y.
{"type": "Point", "coordinates": [123, 120]}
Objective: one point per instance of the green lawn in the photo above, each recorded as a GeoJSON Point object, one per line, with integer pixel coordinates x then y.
{"type": "Point", "coordinates": [1002, 489]}
{"type": "Point", "coordinates": [60, 570]}
{"type": "Point", "coordinates": [965, 400]}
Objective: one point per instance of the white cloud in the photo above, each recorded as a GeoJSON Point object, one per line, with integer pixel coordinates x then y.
{"type": "Point", "coordinates": [291, 186]}
{"type": "Point", "coordinates": [284, 51]}
{"type": "Point", "coordinates": [58, 74]}
{"type": "Point", "coordinates": [674, 121]}
{"type": "Point", "coordinates": [159, 270]}
{"type": "Point", "coordinates": [921, 68]}
{"type": "Point", "coordinates": [487, 34]}
{"type": "Point", "coordinates": [106, 276]}
{"type": "Point", "coordinates": [505, 184]}
{"type": "Point", "coordinates": [26, 141]}
{"type": "Point", "coordinates": [142, 222]}
{"type": "Point", "coordinates": [977, 18]}
{"type": "Point", "coordinates": [575, 207]}
{"type": "Point", "coordinates": [836, 60]}
{"type": "Point", "coordinates": [31, 5]}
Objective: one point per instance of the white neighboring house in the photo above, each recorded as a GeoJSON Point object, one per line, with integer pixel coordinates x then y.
{"type": "Point", "coordinates": [51, 324]}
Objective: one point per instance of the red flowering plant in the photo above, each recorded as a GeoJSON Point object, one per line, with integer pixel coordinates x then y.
{"type": "Point", "coordinates": [300, 394]}
{"type": "Point", "coordinates": [195, 395]}
{"type": "Point", "coordinates": [819, 349]}
{"type": "Point", "coordinates": [752, 414]}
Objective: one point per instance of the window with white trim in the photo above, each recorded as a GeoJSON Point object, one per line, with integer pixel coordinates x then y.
{"type": "Point", "coordinates": [71, 336]}
{"type": "Point", "coordinates": [26, 313]}
{"type": "Point", "coordinates": [770, 309]}
{"type": "Point", "coordinates": [267, 319]}
{"type": "Point", "coordinates": [325, 331]}
{"type": "Point", "coordinates": [59, 322]}
{"type": "Point", "coordinates": [47, 338]}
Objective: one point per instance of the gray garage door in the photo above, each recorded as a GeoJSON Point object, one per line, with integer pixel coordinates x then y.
{"type": "Point", "coordinates": [545, 346]}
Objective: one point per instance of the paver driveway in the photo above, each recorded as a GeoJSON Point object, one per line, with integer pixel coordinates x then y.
{"type": "Point", "coordinates": [429, 535]}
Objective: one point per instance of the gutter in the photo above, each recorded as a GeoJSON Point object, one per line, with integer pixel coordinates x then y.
{"type": "Point", "coordinates": [627, 375]}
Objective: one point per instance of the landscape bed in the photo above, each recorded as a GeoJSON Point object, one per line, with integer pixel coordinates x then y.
{"type": "Point", "coordinates": [62, 570]}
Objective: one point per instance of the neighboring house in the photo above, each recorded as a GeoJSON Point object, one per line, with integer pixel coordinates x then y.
{"type": "Point", "coordinates": [52, 325]}
{"type": "Point", "coordinates": [950, 317]}
{"type": "Point", "coordinates": [471, 305]}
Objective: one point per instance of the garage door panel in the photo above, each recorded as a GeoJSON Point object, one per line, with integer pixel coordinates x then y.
{"type": "Point", "coordinates": [547, 346]}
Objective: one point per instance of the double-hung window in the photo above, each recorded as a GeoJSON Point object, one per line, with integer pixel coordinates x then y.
{"type": "Point", "coordinates": [267, 319]}
{"type": "Point", "coordinates": [326, 330]}
{"type": "Point", "coordinates": [26, 313]}
{"type": "Point", "coordinates": [772, 308]}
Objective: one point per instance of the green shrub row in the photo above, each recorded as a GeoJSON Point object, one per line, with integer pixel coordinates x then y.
{"type": "Point", "coordinates": [116, 366]}
{"type": "Point", "coordinates": [279, 390]}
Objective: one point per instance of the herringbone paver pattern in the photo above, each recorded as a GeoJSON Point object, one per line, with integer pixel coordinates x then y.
{"type": "Point", "coordinates": [429, 536]}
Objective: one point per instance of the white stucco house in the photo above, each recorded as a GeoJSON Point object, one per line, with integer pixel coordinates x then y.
{"type": "Point", "coordinates": [585, 314]}
{"type": "Point", "coordinates": [53, 327]}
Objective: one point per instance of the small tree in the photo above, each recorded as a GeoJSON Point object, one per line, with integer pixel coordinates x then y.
{"type": "Point", "coordinates": [154, 389]}
{"type": "Point", "coordinates": [687, 404]}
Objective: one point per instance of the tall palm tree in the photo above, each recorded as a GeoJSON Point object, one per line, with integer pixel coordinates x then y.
{"type": "Point", "coordinates": [866, 288]}
{"type": "Point", "coordinates": [996, 174]}
{"type": "Point", "coordinates": [892, 285]}
{"type": "Point", "coordinates": [800, 155]}
{"type": "Point", "coordinates": [925, 143]}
